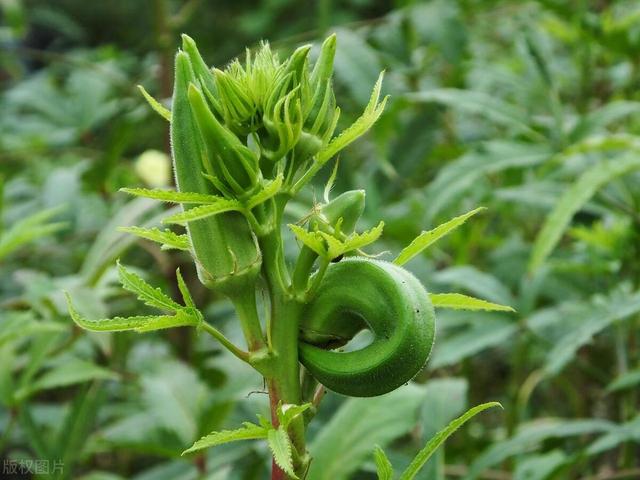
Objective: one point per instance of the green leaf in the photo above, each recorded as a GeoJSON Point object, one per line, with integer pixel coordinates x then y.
{"type": "Point", "coordinates": [480, 284]}
{"type": "Point", "coordinates": [423, 456]}
{"type": "Point", "coordinates": [427, 238]}
{"type": "Point", "coordinates": [334, 247]}
{"type": "Point", "coordinates": [595, 317]}
{"type": "Point", "coordinates": [626, 432]}
{"type": "Point", "coordinates": [144, 323]}
{"type": "Point", "coordinates": [182, 318]}
{"type": "Point", "coordinates": [330, 247]}
{"type": "Point", "coordinates": [330, 183]}
{"type": "Point", "coordinates": [445, 399]}
{"type": "Point", "coordinates": [269, 190]}
{"type": "Point", "coordinates": [79, 422]}
{"type": "Point", "coordinates": [461, 176]}
{"type": "Point", "coordinates": [356, 241]}
{"type": "Point", "coordinates": [111, 243]}
{"type": "Point", "coordinates": [347, 439]}
{"type": "Point", "coordinates": [186, 295]}
{"type": "Point", "coordinates": [173, 196]}
{"type": "Point", "coordinates": [598, 119]}
{"type": "Point", "coordinates": [249, 431]}
{"type": "Point", "coordinates": [17, 325]}
{"type": "Point", "coordinates": [458, 301]}
{"type": "Point", "coordinates": [287, 412]}
{"type": "Point", "coordinates": [204, 211]}
{"type": "Point", "coordinates": [482, 104]}
{"type": "Point", "coordinates": [531, 435]}
{"type": "Point", "coordinates": [281, 448]}
{"type": "Point", "coordinates": [168, 239]}
{"type": "Point", "coordinates": [310, 239]}
{"type": "Point", "coordinates": [163, 111]}
{"type": "Point", "coordinates": [573, 200]}
{"type": "Point", "coordinates": [154, 297]}
{"type": "Point", "coordinates": [29, 229]}
{"type": "Point", "coordinates": [626, 380]}
{"type": "Point", "coordinates": [370, 115]}
{"type": "Point", "coordinates": [65, 374]}
{"type": "Point", "coordinates": [542, 466]}
{"type": "Point", "coordinates": [384, 469]}
{"type": "Point", "coordinates": [479, 334]}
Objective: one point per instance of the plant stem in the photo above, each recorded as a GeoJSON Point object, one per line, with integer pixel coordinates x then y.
{"type": "Point", "coordinates": [304, 264]}
{"type": "Point", "coordinates": [245, 304]}
{"type": "Point", "coordinates": [284, 376]}
{"type": "Point", "coordinates": [228, 344]}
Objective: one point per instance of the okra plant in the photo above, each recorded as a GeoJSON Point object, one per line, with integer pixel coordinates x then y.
{"type": "Point", "coordinates": [245, 140]}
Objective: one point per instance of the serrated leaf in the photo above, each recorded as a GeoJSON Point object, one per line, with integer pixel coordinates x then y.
{"type": "Point", "coordinates": [184, 290]}
{"type": "Point", "coordinates": [423, 456]}
{"type": "Point", "coordinates": [332, 180]}
{"type": "Point", "coordinates": [160, 109]}
{"type": "Point", "coordinates": [309, 239]}
{"type": "Point", "coordinates": [384, 469]}
{"type": "Point", "coordinates": [249, 431]}
{"type": "Point", "coordinates": [370, 115]}
{"type": "Point", "coordinates": [173, 196]}
{"type": "Point", "coordinates": [334, 247]}
{"type": "Point", "coordinates": [287, 412]}
{"type": "Point", "coordinates": [280, 446]}
{"type": "Point", "coordinates": [356, 241]}
{"type": "Point", "coordinates": [458, 301]}
{"type": "Point", "coordinates": [143, 323]}
{"type": "Point", "coordinates": [269, 190]}
{"type": "Point", "coordinates": [427, 238]}
{"type": "Point", "coordinates": [330, 247]}
{"type": "Point", "coordinates": [480, 284]}
{"type": "Point", "coordinates": [152, 296]}
{"type": "Point", "coordinates": [182, 318]}
{"type": "Point", "coordinates": [573, 200]}
{"type": "Point", "coordinates": [204, 211]}
{"type": "Point", "coordinates": [167, 238]}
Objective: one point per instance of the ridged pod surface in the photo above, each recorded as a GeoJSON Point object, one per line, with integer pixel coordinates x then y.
{"type": "Point", "coordinates": [225, 251]}
{"type": "Point", "coordinates": [358, 293]}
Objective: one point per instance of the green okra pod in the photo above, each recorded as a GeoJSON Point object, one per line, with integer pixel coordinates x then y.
{"type": "Point", "coordinates": [359, 293]}
{"type": "Point", "coordinates": [224, 248]}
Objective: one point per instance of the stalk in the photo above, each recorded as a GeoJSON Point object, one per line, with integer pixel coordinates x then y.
{"type": "Point", "coordinates": [284, 378]}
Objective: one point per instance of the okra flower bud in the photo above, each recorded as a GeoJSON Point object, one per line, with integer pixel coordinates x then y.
{"type": "Point", "coordinates": [232, 163]}
{"type": "Point", "coordinates": [320, 112]}
{"type": "Point", "coordinates": [348, 206]}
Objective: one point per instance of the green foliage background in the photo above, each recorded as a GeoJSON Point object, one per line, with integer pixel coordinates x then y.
{"type": "Point", "coordinates": [527, 108]}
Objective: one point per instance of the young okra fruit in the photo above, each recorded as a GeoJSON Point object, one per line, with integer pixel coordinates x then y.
{"type": "Point", "coordinates": [245, 140]}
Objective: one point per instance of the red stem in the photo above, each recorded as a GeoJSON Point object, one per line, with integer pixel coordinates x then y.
{"type": "Point", "coordinates": [274, 398]}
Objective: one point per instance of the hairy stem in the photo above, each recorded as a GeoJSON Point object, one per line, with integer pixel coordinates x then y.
{"type": "Point", "coordinates": [284, 378]}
